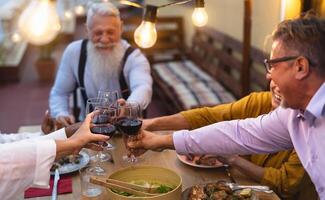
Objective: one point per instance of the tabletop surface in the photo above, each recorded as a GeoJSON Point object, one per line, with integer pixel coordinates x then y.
{"type": "Point", "coordinates": [168, 159]}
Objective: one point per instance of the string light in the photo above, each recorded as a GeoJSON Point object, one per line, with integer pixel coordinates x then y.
{"type": "Point", "coordinates": [68, 14]}
{"type": "Point", "coordinates": [39, 24]}
{"type": "Point", "coordinates": [80, 10]}
{"type": "Point", "coordinates": [199, 16]}
{"type": "Point", "coordinates": [145, 35]}
{"type": "Point", "coordinates": [16, 37]}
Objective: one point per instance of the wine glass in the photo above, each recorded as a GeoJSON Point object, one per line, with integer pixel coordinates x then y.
{"type": "Point", "coordinates": [112, 101]}
{"type": "Point", "coordinates": [111, 96]}
{"type": "Point", "coordinates": [129, 123]}
{"type": "Point", "coordinates": [103, 121]}
{"type": "Point", "coordinates": [91, 105]}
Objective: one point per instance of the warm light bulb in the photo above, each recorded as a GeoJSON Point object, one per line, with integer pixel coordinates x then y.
{"type": "Point", "coordinates": [16, 37]}
{"type": "Point", "coordinates": [68, 14]}
{"type": "Point", "coordinates": [79, 10]}
{"type": "Point", "coordinates": [146, 35]}
{"type": "Point", "coordinates": [39, 24]}
{"type": "Point", "coordinates": [200, 17]}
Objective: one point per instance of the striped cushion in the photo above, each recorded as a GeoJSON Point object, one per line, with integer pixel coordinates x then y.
{"type": "Point", "coordinates": [192, 86]}
{"type": "Point", "coordinates": [181, 71]}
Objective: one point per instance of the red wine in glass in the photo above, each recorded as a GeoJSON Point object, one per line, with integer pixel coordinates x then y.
{"type": "Point", "coordinates": [129, 126]}
{"type": "Point", "coordinates": [100, 119]}
{"type": "Point", "coordinates": [104, 129]}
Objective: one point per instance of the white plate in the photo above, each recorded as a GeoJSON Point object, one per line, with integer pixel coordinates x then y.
{"type": "Point", "coordinates": [72, 167]}
{"type": "Point", "coordinates": [185, 160]}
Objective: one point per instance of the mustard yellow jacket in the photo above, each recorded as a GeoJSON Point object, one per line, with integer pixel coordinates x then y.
{"type": "Point", "coordinates": [283, 171]}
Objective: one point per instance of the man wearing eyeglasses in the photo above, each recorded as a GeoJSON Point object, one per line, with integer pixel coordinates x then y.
{"type": "Point", "coordinates": [297, 66]}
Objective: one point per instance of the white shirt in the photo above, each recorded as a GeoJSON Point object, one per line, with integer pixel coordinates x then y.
{"type": "Point", "coordinates": [136, 72]}
{"type": "Point", "coordinates": [6, 138]}
{"type": "Point", "coordinates": [26, 162]}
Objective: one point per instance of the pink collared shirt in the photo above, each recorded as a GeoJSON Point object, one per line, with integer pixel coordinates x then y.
{"type": "Point", "coordinates": [278, 130]}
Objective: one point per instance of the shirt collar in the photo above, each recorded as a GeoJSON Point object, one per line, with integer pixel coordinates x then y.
{"type": "Point", "coordinates": [316, 105]}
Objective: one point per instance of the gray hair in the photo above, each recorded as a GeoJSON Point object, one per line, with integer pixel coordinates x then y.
{"type": "Point", "coordinates": [305, 34]}
{"type": "Point", "coordinates": [102, 8]}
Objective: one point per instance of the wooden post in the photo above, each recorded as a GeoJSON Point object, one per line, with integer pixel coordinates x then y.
{"type": "Point", "coordinates": [307, 5]}
{"type": "Point", "coordinates": [245, 71]}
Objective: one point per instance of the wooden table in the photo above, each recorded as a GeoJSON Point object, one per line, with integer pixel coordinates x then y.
{"type": "Point", "coordinates": [190, 175]}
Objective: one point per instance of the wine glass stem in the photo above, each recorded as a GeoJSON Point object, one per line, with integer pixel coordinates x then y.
{"type": "Point", "coordinates": [132, 158]}
{"type": "Point", "coordinates": [98, 158]}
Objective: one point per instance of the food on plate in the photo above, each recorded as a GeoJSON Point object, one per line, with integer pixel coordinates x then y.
{"type": "Point", "coordinates": [217, 191]}
{"type": "Point", "coordinates": [221, 194]}
{"type": "Point", "coordinates": [71, 159]}
{"type": "Point", "coordinates": [219, 186]}
{"type": "Point", "coordinates": [208, 160]}
{"type": "Point", "coordinates": [247, 192]}
{"type": "Point", "coordinates": [197, 193]}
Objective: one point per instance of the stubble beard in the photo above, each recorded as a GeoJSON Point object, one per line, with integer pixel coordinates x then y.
{"type": "Point", "coordinates": [284, 104]}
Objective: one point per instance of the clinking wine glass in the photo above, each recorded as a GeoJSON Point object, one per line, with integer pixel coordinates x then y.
{"type": "Point", "coordinates": [129, 123]}
{"type": "Point", "coordinates": [112, 101]}
{"type": "Point", "coordinates": [93, 103]}
{"type": "Point", "coordinates": [103, 122]}
{"type": "Point", "coordinates": [111, 96]}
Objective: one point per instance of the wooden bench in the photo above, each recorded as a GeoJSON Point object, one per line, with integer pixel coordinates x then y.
{"type": "Point", "coordinates": [208, 73]}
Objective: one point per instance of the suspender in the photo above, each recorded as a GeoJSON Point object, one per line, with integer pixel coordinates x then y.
{"type": "Point", "coordinates": [81, 69]}
{"type": "Point", "coordinates": [82, 65]}
{"type": "Point", "coordinates": [124, 87]}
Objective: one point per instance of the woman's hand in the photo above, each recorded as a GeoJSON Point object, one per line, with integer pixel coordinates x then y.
{"type": "Point", "coordinates": [83, 137]}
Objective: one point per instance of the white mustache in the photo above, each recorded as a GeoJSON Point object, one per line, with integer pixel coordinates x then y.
{"type": "Point", "coordinates": [101, 45]}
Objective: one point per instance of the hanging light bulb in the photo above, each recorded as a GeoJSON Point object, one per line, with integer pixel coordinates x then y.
{"type": "Point", "coordinates": [39, 24]}
{"type": "Point", "coordinates": [68, 14]}
{"type": "Point", "coordinates": [16, 38]}
{"type": "Point", "coordinates": [199, 16]}
{"type": "Point", "coordinates": [80, 10]}
{"type": "Point", "coordinates": [145, 35]}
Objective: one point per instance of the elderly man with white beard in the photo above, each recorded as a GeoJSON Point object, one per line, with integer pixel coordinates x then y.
{"type": "Point", "coordinates": [103, 62]}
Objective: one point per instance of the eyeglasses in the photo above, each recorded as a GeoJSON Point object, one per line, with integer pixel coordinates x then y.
{"type": "Point", "coordinates": [268, 63]}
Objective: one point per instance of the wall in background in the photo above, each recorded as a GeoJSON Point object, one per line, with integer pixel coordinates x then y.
{"type": "Point", "coordinates": [227, 16]}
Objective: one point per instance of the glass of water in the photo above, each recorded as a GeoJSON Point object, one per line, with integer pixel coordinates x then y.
{"type": "Point", "coordinates": [88, 189]}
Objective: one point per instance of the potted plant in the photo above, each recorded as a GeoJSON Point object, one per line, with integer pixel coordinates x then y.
{"type": "Point", "coordinates": [45, 64]}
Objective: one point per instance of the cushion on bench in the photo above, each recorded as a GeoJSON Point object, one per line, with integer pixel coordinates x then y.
{"type": "Point", "coordinates": [191, 86]}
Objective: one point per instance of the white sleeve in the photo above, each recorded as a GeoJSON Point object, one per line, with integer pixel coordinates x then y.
{"type": "Point", "coordinates": [23, 164]}
{"type": "Point", "coordinates": [6, 138]}
{"type": "Point", "coordinates": [137, 71]}
{"type": "Point", "coordinates": [57, 135]}
{"type": "Point", "coordinates": [65, 83]}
